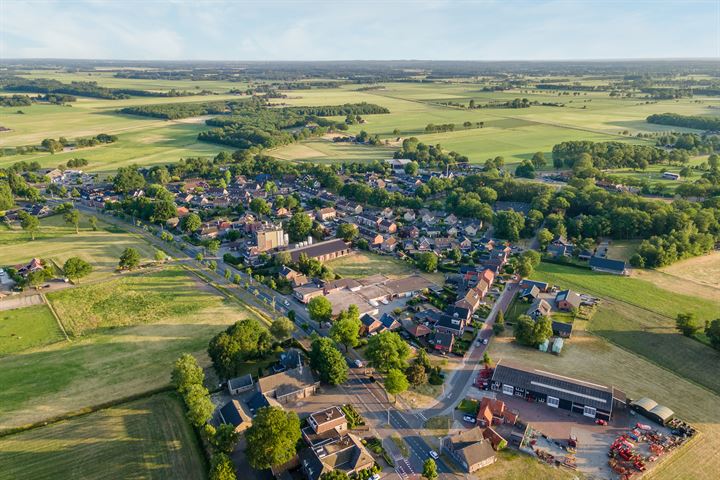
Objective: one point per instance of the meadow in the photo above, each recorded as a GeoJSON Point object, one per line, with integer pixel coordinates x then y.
{"type": "Point", "coordinates": [57, 241]}
{"type": "Point", "coordinates": [363, 264]}
{"type": "Point", "coordinates": [147, 438]}
{"type": "Point", "coordinates": [113, 362]}
{"type": "Point", "coordinates": [28, 327]}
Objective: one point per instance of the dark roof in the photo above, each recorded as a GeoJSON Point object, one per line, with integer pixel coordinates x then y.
{"type": "Point", "coordinates": [318, 249]}
{"type": "Point", "coordinates": [291, 359]}
{"type": "Point", "coordinates": [444, 339]}
{"type": "Point", "coordinates": [562, 328]}
{"type": "Point", "coordinates": [462, 312]}
{"type": "Point", "coordinates": [446, 321]}
{"type": "Point", "coordinates": [368, 320]}
{"type": "Point", "coordinates": [257, 401]}
{"type": "Point", "coordinates": [567, 388]}
{"type": "Point", "coordinates": [531, 291]}
{"type": "Point", "coordinates": [607, 264]}
{"type": "Point", "coordinates": [387, 320]}
{"type": "Point", "coordinates": [230, 413]}
{"type": "Point", "coordinates": [240, 382]}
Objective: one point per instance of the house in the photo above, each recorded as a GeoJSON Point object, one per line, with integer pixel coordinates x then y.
{"type": "Point", "coordinates": [465, 244]}
{"type": "Point", "coordinates": [238, 385]}
{"type": "Point", "coordinates": [557, 391]}
{"type": "Point", "coordinates": [324, 426]}
{"type": "Point", "coordinates": [389, 244]}
{"type": "Point", "coordinates": [451, 219]}
{"type": "Point", "coordinates": [387, 226]}
{"type": "Point", "coordinates": [345, 453]}
{"type": "Point", "coordinates": [234, 413]}
{"type": "Point", "coordinates": [607, 265]}
{"type": "Point", "coordinates": [542, 286]}
{"type": "Point", "coordinates": [389, 322]}
{"type": "Point", "coordinates": [325, 214]}
{"type": "Point", "coordinates": [34, 265]}
{"type": "Point", "coordinates": [471, 300]}
{"type": "Point", "coordinates": [498, 256]}
{"type": "Point", "coordinates": [409, 216]}
{"type": "Point", "coordinates": [562, 329]}
{"type": "Point", "coordinates": [472, 230]}
{"type": "Point", "coordinates": [444, 341]}
{"type": "Point", "coordinates": [258, 401]}
{"type": "Point", "coordinates": [323, 251]}
{"type": "Point", "coordinates": [370, 325]}
{"type": "Point", "coordinates": [416, 330]}
{"type": "Point", "coordinates": [289, 386]}
{"type": "Point", "coordinates": [530, 293]}
{"type": "Point", "coordinates": [567, 300]}
{"type": "Point", "coordinates": [539, 308]}
{"type": "Point", "coordinates": [655, 412]}
{"type": "Point", "coordinates": [295, 278]}
{"type": "Point", "coordinates": [470, 449]}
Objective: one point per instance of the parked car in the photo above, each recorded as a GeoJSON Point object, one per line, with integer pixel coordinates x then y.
{"type": "Point", "coordinates": [286, 303]}
{"type": "Point", "coordinates": [485, 341]}
{"type": "Point", "coordinates": [358, 363]}
{"type": "Point", "coordinates": [384, 301]}
{"type": "Point", "coordinates": [375, 477]}
{"type": "Point", "coordinates": [468, 419]}
{"type": "Point", "coordinates": [433, 454]}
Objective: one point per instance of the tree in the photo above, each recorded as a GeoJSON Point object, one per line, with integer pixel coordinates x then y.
{"type": "Point", "coordinates": [486, 360]}
{"type": "Point", "coordinates": [281, 328]}
{"type": "Point", "coordinates": [396, 382]}
{"type": "Point", "coordinates": [687, 324]}
{"type": "Point", "coordinates": [334, 475]}
{"type": "Point", "coordinates": [427, 261]}
{"type": "Point", "coordinates": [185, 373]}
{"type": "Point", "coordinates": [272, 437]}
{"type": "Point", "coordinates": [200, 407]}
{"type": "Point", "coordinates": [387, 350]}
{"type": "Point", "coordinates": [542, 330]}
{"type": "Point", "coordinates": [190, 223]}
{"type": "Point", "coordinates": [508, 224]}
{"type": "Point", "coordinates": [6, 197]}
{"type": "Point", "coordinates": [226, 438]}
{"type": "Point", "coordinates": [75, 268]}
{"type": "Point", "coordinates": [222, 467]}
{"type": "Point", "coordinates": [128, 179]}
{"type": "Point", "coordinates": [93, 223]}
{"type": "Point", "coordinates": [72, 217]}
{"type": "Point", "coordinates": [29, 223]}
{"type": "Point", "coordinates": [538, 160]}
{"type": "Point", "coordinates": [129, 259]}
{"type": "Point", "coordinates": [712, 331]}
{"type": "Point", "coordinates": [430, 469]}
{"type": "Point", "coordinates": [455, 255]}
{"type": "Point", "coordinates": [347, 231]}
{"type": "Point", "coordinates": [320, 309]}
{"type": "Point", "coordinates": [299, 226]}
{"type": "Point", "coordinates": [35, 278]}
{"type": "Point", "coordinates": [346, 329]}
{"type": "Point", "coordinates": [544, 236]}
{"type": "Point", "coordinates": [412, 168]}
{"type": "Point", "coordinates": [525, 169]}
{"type": "Point", "coordinates": [416, 374]}
{"type": "Point", "coordinates": [245, 340]}
{"type": "Point", "coordinates": [160, 255]}
{"type": "Point", "coordinates": [260, 206]}
{"type": "Point", "coordinates": [328, 362]}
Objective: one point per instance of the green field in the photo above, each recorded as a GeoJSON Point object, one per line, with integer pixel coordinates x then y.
{"type": "Point", "coordinates": [27, 327]}
{"type": "Point", "coordinates": [363, 264]}
{"type": "Point", "coordinates": [114, 362]}
{"type": "Point", "coordinates": [58, 241]}
{"type": "Point", "coordinates": [143, 439]}
{"type": "Point", "coordinates": [132, 300]}
{"type": "Point", "coordinates": [640, 317]}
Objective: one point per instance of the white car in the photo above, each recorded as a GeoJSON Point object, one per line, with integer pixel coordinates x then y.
{"type": "Point", "coordinates": [468, 419]}
{"type": "Point", "coordinates": [358, 363]}
{"type": "Point", "coordinates": [384, 301]}
{"type": "Point", "coordinates": [433, 454]}
{"type": "Point", "coordinates": [485, 341]}
{"type": "Point", "coordinates": [373, 303]}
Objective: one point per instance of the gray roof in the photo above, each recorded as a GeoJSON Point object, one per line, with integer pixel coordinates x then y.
{"type": "Point", "coordinates": [318, 249]}
{"type": "Point", "coordinates": [607, 264]}
{"type": "Point", "coordinates": [240, 382]}
{"type": "Point", "coordinates": [567, 388]}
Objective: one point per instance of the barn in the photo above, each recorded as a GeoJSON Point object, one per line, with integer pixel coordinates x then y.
{"type": "Point", "coordinates": [557, 391]}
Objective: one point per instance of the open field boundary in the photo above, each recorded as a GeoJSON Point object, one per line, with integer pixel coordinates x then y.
{"type": "Point", "coordinates": [57, 318]}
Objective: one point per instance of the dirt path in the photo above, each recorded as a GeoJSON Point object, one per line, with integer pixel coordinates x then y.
{"type": "Point", "coordinates": [20, 302]}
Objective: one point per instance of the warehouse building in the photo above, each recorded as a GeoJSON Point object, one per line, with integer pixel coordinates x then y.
{"type": "Point", "coordinates": [557, 391]}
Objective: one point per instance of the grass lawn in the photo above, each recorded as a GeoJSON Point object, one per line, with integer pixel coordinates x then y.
{"type": "Point", "coordinates": [512, 465]}
{"type": "Point", "coordinates": [27, 327]}
{"type": "Point", "coordinates": [148, 438]}
{"type": "Point", "coordinates": [133, 299]}
{"type": "Point", "coordinates": [112, 363]}
{"type": "Point", "coordinates": [58, 241]}
{"type": "Point", "coordinates": [622, 249]}
{"type": "Point", "coordinates": [362, 264]}
{"type": "Point", "coordinates": [591, 358]}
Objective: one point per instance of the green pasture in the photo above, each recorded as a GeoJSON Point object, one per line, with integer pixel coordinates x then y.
{"type": "Point", "coordinates": [27, 327]}
{"type": "Point", "coordinates": [148, 438]}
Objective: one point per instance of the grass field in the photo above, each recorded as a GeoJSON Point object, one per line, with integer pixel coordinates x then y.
{"type": "Point", "coordinates": [113, 363]}
{"type": "Point", "coordinates": [591, 358]}
{"type": "Point", "coordinates": [28, 327]}
{"type": "Point", "coordinates": [58, 241]}
{"type": "Point", "coordinates": [704, 270]}
{"type": "Point", "coordinates": [130, 300]}
{"type": "Point", "coordinates": [512, 465]}
{"type": "Point", "coordinates": [144, 439]}
{"type": "Point", "coordinates": [325, 151]}
{"type": "Point", "coordinates": [362, 264]}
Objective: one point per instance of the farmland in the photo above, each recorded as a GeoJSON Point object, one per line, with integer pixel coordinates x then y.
{"type": "Point", "coordinates": [147, 438]}
{"type": "Point", "coordinates": [28, 327]}
{"type": "Point", "coordinates": [57, 241]}
{"type": "Point", "coordinates": [593, 359]}
{"type": "Point", "coordinates": [108, 361]}
{"type": "Point", "coordinates": [363, 264]}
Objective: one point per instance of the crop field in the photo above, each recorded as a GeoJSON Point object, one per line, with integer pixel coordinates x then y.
{"type": "Point", "coordinates": [58, 241]}
{"type": "Point", "coordinates": [363, 264]}
{"type": "Point", "coordinates": [325, 151]}
{"type": "Point", "coordinates": [704, 270]}
{"type": "Point", "coordinates": [28, 327]}
{"type": "Point", "coordinates": [148, 438]}
{"type": "Point", "coordinates": [104, 365]}
{"type": "Point", "coordinates": [591, 358]}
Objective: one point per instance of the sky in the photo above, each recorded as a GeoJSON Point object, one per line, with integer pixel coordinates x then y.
{"type": "Point", "coordinates": [359, 30]}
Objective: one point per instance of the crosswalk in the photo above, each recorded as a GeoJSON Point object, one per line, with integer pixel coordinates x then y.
{"type": "Point", "coordinates": [403, 468]}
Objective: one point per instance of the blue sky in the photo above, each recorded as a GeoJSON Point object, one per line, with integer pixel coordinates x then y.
{"type": "Point", "coordinates": [351, 30]}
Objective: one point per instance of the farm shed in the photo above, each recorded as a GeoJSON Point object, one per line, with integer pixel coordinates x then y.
{"type": "Point", "coordinates": [556, 391]}
{"type": "Point", "coordinates": [651, 409]}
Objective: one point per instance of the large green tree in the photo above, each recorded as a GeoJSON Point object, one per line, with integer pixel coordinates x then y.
{"type": "Point", "coordinates": [688, 324]}
{"type": "Point", "coordinates": [186, 372]}
{"type": "Point", "coordinates": [128, 179]}
{"type": "Point", "coordinates": [29, 223]}
{"type": "Point", "coordinates": [299, 227]}
{"type": "Point", "coordinates": [281, 328]}
{"type": "Point", "coordinates": [226, 438]}
{"type": "Point", "coordinates": [200, 407]}
{"type": "Point", "coordinates": [712, 331]}
{"type": "Point", "coordinates": [427, 261]}
{"type": "Point", "coordinates": [396, 382]}
{"type": "Point", "coordinates": [76, 268]}
{"type": "Point", "coordinates": [129, 259]}
{"type": "Point", "coordinates": [222, 467]}
{"type": "Point", "coordinates": [272, 438]}
{"type": "Point", "coordinates": [72, 217]}
{"type": "Point", "coordinates": [387, 350]}
{"type": "Point", "coordinates": [346, 328]}
{"type": "Point", "coordinates": [6, 197]}
{"type": "Point", "coordinates": [347, 231]}
{"type": "Point", "coordinates": [328, 361]}
{"type": "Point", "coordinates": [320, 309]}
{"type": "Point", "coordinates": [430, 469]}
{"type": "Point", "coordinates": [245, 340]}
{"type": "Point", "coordinates": [190, 223]}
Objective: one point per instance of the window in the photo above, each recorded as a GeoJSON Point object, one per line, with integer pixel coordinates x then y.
{"type": "Point", "coordinates": [553, 402]}
{"type": "Point", "coordinates": [589, 412]}
{"type": "Point", "coordinates": [508, 389]}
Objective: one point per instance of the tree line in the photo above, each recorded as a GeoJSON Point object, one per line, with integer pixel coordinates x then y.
{"type": "Point", "coordinates": [697, 122]}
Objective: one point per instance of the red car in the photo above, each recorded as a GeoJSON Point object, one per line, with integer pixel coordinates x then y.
{"type": "Point", "coordinates": [602, 422]}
